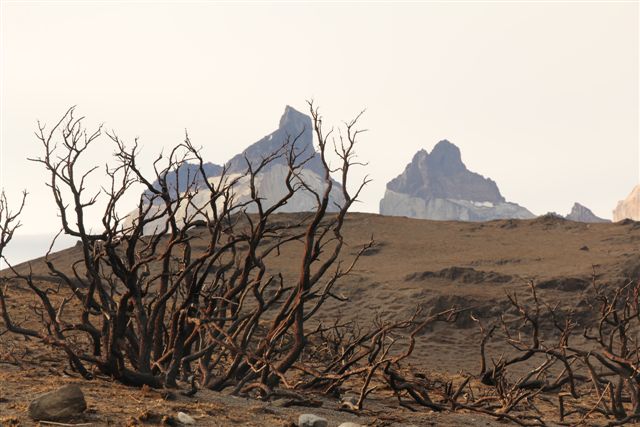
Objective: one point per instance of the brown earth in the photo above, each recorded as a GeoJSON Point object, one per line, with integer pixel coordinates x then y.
{"type": "Point", "coordinates": [414, 262]}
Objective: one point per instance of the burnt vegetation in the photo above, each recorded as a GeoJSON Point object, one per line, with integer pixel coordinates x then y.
{"type": "Point", "coordinates": [181, 294]}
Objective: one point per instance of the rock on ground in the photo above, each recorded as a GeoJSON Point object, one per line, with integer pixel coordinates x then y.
{"type": "Point", "coordinates": [310, 420]}
{"type": "Point", "coordinates": [349, 402]}
{"type": "Point", "coordinates": [185, 419]}
{"type": "Point", "coordinates": [63, 403]}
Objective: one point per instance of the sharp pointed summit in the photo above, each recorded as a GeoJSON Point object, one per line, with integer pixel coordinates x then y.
{"type": "Point", "coordinates": [294, 126]}
{"type": "Point", "coordinates": [294, 120]}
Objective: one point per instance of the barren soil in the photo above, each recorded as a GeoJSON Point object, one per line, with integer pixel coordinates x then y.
{"type": "Point", "coordinates": [414, 262]}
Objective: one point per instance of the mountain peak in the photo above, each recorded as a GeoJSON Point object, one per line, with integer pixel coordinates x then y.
{"type": "Point", "coordinates": [446, 145]}
{"type": "Point", "coordinates": [439, 186]}
{"type": "Point", "coordinates": [442, 174]}
{"type": "Point", "coordinates": [447, 156]}
{"type": "Point", "coordinates": [420, 154]}
{"type": "Point", "coordinates": [629, 207]}
{"type": "Point", "coordinates": [293, 119]}
{"type": "Point", "coordinates": [293, 124]}
{"type": "Point", "coordinates": [581, 213]}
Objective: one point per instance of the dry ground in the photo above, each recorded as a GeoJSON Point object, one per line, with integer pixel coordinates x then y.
{"type": "Point", "coordinates": [435, 264]}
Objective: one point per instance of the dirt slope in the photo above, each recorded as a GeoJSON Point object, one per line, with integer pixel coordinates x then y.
{"type": "Point", "coordinates": [414, 262]}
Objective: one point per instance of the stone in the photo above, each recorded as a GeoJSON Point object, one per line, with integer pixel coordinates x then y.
{"type": "Point", "coordinates": [350, 424]}
{"type": "Point", "coordinates": [310, 420]}
{"type": "Point", "coordinates": [349, 402]}
{"type": "Point", "coordinates": [439, 186]}
{"type": "Point", "coordinates": [628, 208]}
{"type": "Point", "coordinates": [185, 419]}
{"type": "Point", "coordinates": [63, 403]}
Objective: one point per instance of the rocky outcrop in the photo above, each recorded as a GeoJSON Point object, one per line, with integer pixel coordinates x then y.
{"type": "Point", "coordinates": [580, 213]}
{"type": "Point", "coordinates": [460, 274]}
{"type": "Point", "coordinates": [629, 207]}
{"type": "Point", "coordinates": [439, 186]}
{"type": "Point", "coordinates": [565, 284]}
{"type": "Point", "coordinates": [294, 132]}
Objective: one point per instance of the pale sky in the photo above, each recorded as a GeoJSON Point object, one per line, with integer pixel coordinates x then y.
{"type": "Point", "coordinates": [542, 97]}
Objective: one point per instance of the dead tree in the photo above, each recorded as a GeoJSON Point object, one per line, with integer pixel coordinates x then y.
{"type": "Point", "coordinates": [9, 223]}
{"type": "Point", "coordinates": [606, 366]}
{"type": "Point", "coordinates": [149, 306]}
{"type": "Point", "coordinates": [9, 220]}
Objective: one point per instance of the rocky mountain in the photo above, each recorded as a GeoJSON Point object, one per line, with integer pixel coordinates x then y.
{"type": "Point", "coordinates": [629, 207]}
{"type": "Point", "coordinates": [295, 128]}
{"type": "Point", "coordinates": [187, 175]}
{"type": "Point", "coordinates": [580, 213]}
{"type": "Point", "coordinates": [439, 186]}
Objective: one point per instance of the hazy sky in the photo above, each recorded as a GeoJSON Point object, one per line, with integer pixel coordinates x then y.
{"type": "Point", "coordinates": [541, 97]}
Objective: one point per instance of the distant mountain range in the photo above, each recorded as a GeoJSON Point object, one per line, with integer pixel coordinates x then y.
{"type": "Point", "coordinates": [434, 185]}
{"type": "Point", "coordinates": [293, 124]}
{"type": "Point", "coordinates": [269, 183]}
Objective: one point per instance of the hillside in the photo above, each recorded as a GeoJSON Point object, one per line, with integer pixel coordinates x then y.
{"type": "Point", "coordinates": [435, 264]}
